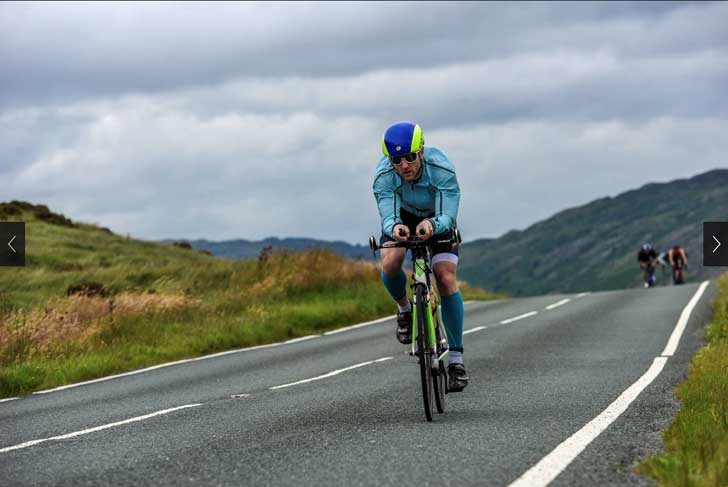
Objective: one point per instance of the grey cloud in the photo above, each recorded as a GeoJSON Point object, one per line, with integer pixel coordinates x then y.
{"type": "Point", "coordinates": [142, 167]}
{"type": "Point", "coordinates": [160, 173]}
{"type": "Point", "coordinates": [512, 175]}
{"type": "Point", "coordinates": [564, 85]}
{"type": "Point", "coordinates": [59, 52]}
{"type": "Point", "coordinates": [272, 126]}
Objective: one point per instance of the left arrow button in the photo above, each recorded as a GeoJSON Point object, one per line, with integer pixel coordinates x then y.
{"type": "Point", "coordinates": [12, 244]}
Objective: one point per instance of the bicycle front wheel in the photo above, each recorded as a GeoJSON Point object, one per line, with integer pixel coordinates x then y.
{"type": "Point", "coordinates": [439, 377]}
{"type": "Point", "coordinates": [423, 352]}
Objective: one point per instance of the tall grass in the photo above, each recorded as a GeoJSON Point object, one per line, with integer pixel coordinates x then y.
{"type": "Point", "coordinates": [91, 303]}
{"type": "Point", "coordinates": [696, 443]}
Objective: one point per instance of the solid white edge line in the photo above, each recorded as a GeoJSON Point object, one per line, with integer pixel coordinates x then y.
{"type": "Point", "coordinates": [300, 339]}
{"type": "Point", "coordinates": [205, 357]}
{"type": "Point", "coordinates": [581, 295]}
{"type": "Point", "coordinates": [97, 428]}
{"type": "Point", "coordinates": [330, 374]}
{"type": "Point", "coordinates": [560, 303]}
{"type": "Point", "coordinates": [159, 366]}
{"type": "Point", "coordinates": [473, 330]}
{"type": "Point", "coordinates": [674, 340]}
{"type": "Point", "coordinates": [353, 327]}
{"type": "Point", "coordinates": [519, 317]}
{"type": "Point", "coordinates": [9, 399]}
{"type": "Point", "coordinates": [550, 466]}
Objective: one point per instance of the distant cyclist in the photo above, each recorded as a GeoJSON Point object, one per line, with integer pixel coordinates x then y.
{"type": "Point", "coordinates": [678, 260]}
{"type": "Point", "coordinates": [663, 258]}
{"type": "Point", "coordinates": [416, 189]}
{"type": "Point", "coordinates": [646, 258]}
{"type": "Point", "coordinates": [663, 261]}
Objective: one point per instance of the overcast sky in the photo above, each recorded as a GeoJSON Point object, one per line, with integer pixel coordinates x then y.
{"type": "Point", "coordinates": [249, 120]}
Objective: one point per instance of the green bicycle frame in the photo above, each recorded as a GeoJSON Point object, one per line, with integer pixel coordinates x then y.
{"type": "Point", "coordinates": [421, 278]}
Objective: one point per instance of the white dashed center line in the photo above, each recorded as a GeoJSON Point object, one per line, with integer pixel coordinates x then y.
{"type": "Point", "coordinates": [519, 317]}
{"type": "Point", "coordinates": [331, 374]}
{"type": "Point", "coordinates": [560, 303]}
{"type": "Point", "coordinates": [97, 428]}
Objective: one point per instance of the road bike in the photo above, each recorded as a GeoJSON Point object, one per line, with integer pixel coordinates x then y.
{"type": "Point", "coordinates": [429, 340]}
{"type": "Point", "coordinates": [677, 273]}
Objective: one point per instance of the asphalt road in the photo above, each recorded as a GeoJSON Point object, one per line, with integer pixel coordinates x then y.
{"type": "Point", "coordinates": [535, 381]}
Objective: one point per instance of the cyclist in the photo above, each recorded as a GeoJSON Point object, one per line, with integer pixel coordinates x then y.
{"type": "Point", "coordinates": [663, 260]}
{"type": "Point", "coordinates": [416, 189]}
{"type": "Point", "coordinates": [646, 257]}
{"type": "Point", "coordinates": [678, 260]}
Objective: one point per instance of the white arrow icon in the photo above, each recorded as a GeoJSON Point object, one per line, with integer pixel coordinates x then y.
{"type": "Point", "coordinates": [716, 247]}
{"type": "Point", "coordinates": [11, 241]}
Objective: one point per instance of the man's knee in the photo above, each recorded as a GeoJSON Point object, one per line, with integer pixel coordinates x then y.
{"type": "Point", "coordinates": [392, 262]}
{"type": "Point", "coordinates": [447, 281]}
{"type": "Point", "coordinates": [448, 284]}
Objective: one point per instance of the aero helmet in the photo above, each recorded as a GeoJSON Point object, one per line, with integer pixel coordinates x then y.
{"type": "Point", "coordinates": [647, 246]}
{"type": "Point", "coordinates": [402, 138]}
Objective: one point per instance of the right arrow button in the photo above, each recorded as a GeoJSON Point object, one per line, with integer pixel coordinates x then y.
{"type": "Point", "coordinates": [714, 252]}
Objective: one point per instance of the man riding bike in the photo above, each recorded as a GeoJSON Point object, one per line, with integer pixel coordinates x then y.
{"type": "Point", "coordinates": [678, 260]}
{"type": "Point", "coordinates": [646, 257]}
{"type": "Point", "coordinates": [417, 193]}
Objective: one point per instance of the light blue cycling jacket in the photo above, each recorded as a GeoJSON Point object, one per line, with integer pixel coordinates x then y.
{"type": "Point", "coordinates": [436, 195]}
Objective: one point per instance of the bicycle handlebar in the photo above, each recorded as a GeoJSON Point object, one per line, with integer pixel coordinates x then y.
{"type": "Point", "coordinates": [415, 242]}
{"type": "Point", "coordinates": [410, 243]}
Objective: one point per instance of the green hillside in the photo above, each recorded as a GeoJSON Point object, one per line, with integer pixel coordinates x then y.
{"type": "Point", "coordinates": [594, 247]}
{"type": "Point", "coordinates": [91, 303]}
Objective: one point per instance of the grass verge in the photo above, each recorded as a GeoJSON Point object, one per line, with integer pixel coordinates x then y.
{"type": "Point", "coordinates": [696, 443]}
{"type": "Point", "coordinates": [90, 303]}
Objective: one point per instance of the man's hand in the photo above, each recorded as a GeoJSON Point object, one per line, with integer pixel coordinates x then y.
{"type": "Point", "coordinates": [424, 229]}
{"type": "Point", "coordinates": [400, 232]}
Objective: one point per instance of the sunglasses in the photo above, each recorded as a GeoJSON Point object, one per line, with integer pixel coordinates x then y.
{"type": "Point", "coordinates": [397, 160]}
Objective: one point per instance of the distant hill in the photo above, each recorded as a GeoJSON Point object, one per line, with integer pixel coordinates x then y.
{"type": "Point", "coordinates": [594, 247]}
{"type": "Point", "coordinates": [247, 249]}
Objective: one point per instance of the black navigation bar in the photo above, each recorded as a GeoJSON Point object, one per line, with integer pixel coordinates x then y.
{"type": "Point", "coordinates": [12, 244]}
{"type": "Point", "coordinates": [715, 244]}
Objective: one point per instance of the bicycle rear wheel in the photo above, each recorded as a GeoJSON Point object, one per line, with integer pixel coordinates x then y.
{"type": "Point", "coordinates": [423, 353]}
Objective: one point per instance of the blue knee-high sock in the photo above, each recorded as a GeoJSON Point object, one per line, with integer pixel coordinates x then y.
{"type": "Point", "coordinates": [452, 317]}
{"type": "Point", "coordinates": [396, 285]}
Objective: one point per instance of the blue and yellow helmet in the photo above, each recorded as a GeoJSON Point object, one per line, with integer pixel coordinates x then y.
{"type": "Point", "coordinates": [402, 138]}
